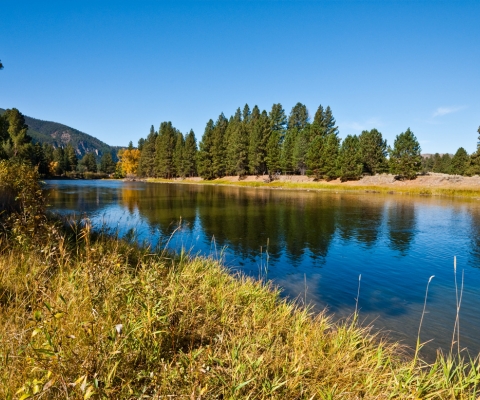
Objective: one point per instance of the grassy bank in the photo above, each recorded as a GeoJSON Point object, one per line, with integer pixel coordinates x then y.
{"type": "Point", "coordinates": [339, 187]}
{"type": "Point", "coordinates": [88, 316]}
{"type": "Point", "coordinates": [95, 317]}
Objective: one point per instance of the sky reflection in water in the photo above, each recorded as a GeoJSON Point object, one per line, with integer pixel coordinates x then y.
{"type": "Point", "coordinates": [318, 243]}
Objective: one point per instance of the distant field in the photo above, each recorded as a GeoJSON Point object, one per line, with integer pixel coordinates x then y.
{"type": "Point", "coordinates": [432, 184]}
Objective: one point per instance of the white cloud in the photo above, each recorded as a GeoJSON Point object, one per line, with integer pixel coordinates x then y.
{"type": "Point", "coordinates": [441, 111]}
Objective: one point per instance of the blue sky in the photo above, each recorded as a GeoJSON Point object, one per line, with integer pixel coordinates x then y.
{"type": "Point", "coordinates": [112, 69]}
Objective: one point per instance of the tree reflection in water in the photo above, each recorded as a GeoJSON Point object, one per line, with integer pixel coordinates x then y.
{"type": "Point", "coordinates": [322, 240]}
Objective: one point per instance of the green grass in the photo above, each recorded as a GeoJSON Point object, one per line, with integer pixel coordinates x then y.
{"type": "Point", "coordinates": [321, 186]}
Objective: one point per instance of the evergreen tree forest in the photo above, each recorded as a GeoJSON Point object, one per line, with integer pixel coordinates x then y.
{"type": "Point", "coordinates": [249, 142]}
{"type": "Point", "coordinates": [16, 144]}
{"type": "Point", "coordinates": [257, 142]}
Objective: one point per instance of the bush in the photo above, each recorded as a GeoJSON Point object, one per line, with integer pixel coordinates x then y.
{"type": "Point", "coordinates": [95, 175]}
{"type": "Point", "coordinates": [23, 217]}
{"type": "Point", "coordinates": [20, 190]}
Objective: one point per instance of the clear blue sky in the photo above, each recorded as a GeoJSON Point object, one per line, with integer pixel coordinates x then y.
{"type": "Point", "coordinates": [112, 69]}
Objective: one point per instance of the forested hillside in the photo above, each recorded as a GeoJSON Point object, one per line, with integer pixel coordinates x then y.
{"type": "Point", "coordinates": [56, 155]}
{"type": "Point", "coordinates": [59, 135]}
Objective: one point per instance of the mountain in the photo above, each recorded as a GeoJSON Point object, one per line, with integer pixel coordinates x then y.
{"type": "Point", "coordinates": [60, 135]}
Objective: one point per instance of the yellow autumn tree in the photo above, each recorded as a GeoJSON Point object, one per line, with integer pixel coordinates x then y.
{"type": "Point", "coordinates": [129, 159]}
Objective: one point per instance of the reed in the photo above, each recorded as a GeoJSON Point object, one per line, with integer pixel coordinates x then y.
{"type": "Point", "coordinates": [419, 343]}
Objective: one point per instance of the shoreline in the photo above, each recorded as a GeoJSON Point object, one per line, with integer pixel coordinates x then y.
{"type": "Point", "coordinates": [195, 327]}
{"type": "Point", "coordinates": [432, 184]}
{"type": "Point", "coordinates": [114, 319]}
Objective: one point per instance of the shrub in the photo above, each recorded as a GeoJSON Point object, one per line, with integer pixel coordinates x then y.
{"type": "Point", "coordinates": [20, 190]}
{"type": "Point", "coordinates": [22, 215]}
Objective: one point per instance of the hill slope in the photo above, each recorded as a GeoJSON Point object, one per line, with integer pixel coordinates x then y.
{"type": "Point", "coordinates": [60, 135]}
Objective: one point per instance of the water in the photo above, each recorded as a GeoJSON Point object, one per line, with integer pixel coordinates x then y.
{"type": "Point", "coordinates": [314, 245]}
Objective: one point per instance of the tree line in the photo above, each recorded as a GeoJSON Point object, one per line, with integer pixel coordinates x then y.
{"type": "Point", "coordinates": [250, 142]}
{"type": "Point", "coordinates": [16, 144]}
{"type": "Point", "coordinates": [254, 142]}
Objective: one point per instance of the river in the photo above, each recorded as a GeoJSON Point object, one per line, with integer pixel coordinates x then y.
{"type": "Point", "coordinates": [314, 245]}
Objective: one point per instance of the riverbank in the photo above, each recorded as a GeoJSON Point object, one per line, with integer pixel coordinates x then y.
{"type": "Point", "coordinates": [86, 316]}
{"type": "Point", "coordinates": [89, 316]}
{"type": "Point", "coordinates": [426, 185]}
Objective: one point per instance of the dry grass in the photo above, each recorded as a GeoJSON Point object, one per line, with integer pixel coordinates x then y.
{"type": "Point", "coordinates": [86, 316]}
{"type": "Point", "coordinates": [94, 317]}
{"type": "Point", "coordinates": [338, 187]}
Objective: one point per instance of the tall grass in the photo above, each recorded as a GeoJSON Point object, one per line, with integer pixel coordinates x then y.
{"type": "Point", "coordinates": [89, 316]}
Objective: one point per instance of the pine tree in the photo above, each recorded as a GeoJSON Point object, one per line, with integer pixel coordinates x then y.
{"type": "Point", "coordinates": [248, 126]}
{"type": "Point", "coordinates": [39, 159]}
{"type": "Point", "coordinates": [316, 133]}
{"type": "Point", "coordinates": [350, 159]}
{"type": "Point", "coordinates": [190, 155]}
{"type": "Point", "coordinates": [164, 148]}
{"type": "Point", "coordinates": [146, 165]}
{"type": "Point", "coordinates": [237, 141]}
{"type": "Point", "coordinates": [107, 165]}
{"type": "Point", "coordinates": [330, 127]}
{"type": "Point", "coordinates": [204, 158]}
{"type": "Point", "coordinates": [255, 115]}
{"type": "Point", "coordinates": [47, 150]}
{"type": "Point", "coordinates": [288, 145]}
{"type": "Point", "coordinates": [278, 122]}
{"type": "Point", "coordinates": [71, 160]}
{"type": "Point", "coordinates": [373, 150]}
{"type": "Point", "coordinates": [314, 156]}
{"type": "Point", "coordinates": [59, 159]}
{"type": "Point", "coordinates": [329, 157]}
{"type": "Point", "coordinates": [322, 156]}
{"type": "Point", "coordinates": [274, 153]}
{"type": "Point", "coordinates": [300, 151]}
{"type": "Point", "coordinates": [298, 117]}
{"type": "Point", "coordinates": [178, 154]}
{"type": "Point", "coordinates": [446, 163]}
{"type": "Point", "coordinates": [88, 162]}
{"type": "Point", "coordinates": [437, 163]}
{"type": "Point", "coordinates": [427, 164]}
{"type": "Point", "coordinates": [218, 147]}
{"type": "Point", "coordinates": [259, 135]}
{"type": "Point", "coordinates": [17, 132]}
{"type": "Point", "coordinates": [460, 162]}
{"type": "Point", "coordinates": [278, 119]}
{"type": "Point", "coordinates": [266, 132]}
{"type": "Point", "coordinates": [319, 117]}
{"type": "Point", "coordinates": [405, 157]}
{"type": "Point", "coordinates": [297, 121]}
{"type": "Point", "coordinates": [246, 114]}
